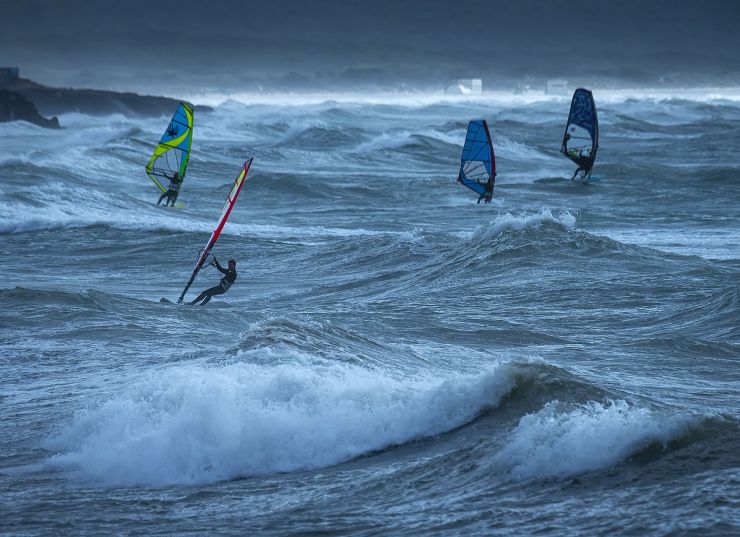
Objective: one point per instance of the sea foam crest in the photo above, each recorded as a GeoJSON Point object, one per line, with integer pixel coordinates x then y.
{"type": "Point", "coordinates": [525, 220]}
{"type": "Point", "coordinates": [505, 147]}
{"type": "Point", "coordinates": [195, 424]}
{"type": "Point", "coordinates": [56, 206]}
{"type": "Point", "coordinates": [558, 443]}
{"type": "Point", "coordinates": [399, 138]}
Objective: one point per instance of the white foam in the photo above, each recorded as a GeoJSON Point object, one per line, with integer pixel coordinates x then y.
{"type": "Point", "coordinates": [386, 140]}
{"type": "Point", "coordinates": [427, 98]}
{"type": "Point", "coordinates": [519, 222]}
{"type": "Point", "coordinates": [556, 443]}
{"type": "Point", "coordinates": [507, 148]}
{"type": "Point", "coordinates": [399, 138]}
{"type": "Point", "coordinates": [68, 148]}
{"type": "Point", "coordinates": [192, 424]}
{"type": "Point", "coordinates": [58, 206]}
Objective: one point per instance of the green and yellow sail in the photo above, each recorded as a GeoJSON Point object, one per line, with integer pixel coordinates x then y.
{"type": "Point", "coordinates": [173, 150]}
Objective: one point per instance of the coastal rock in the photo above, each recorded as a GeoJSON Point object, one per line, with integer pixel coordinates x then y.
{"type": "Point", "coordinates": [15, 107]}
{"type": "Point", "coordinates": [55, 101]}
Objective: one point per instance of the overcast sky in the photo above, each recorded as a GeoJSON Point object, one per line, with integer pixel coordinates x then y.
{"type": "Point", "coordinates": [283, 44]}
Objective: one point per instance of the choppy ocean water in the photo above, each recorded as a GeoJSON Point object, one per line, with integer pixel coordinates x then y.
{"type": "Point", "coordinates": [393, 358]}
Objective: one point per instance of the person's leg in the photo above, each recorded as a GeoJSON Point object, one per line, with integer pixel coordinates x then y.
{"type": "Point", "coordinates": [200, 297]}
{"type": "Point", "coordinates": [213, 291]}
{"type": "Point", "coordinates": [162, 197]}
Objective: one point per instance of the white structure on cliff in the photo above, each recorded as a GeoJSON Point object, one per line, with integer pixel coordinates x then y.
{"type": "Point", "coordinates": [465, 86]}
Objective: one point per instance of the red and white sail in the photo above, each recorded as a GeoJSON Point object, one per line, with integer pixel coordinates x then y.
{"type": "Point", "coordinates": [225, 212]}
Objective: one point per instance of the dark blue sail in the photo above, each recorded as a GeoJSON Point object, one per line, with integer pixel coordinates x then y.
{"type": "Point", "coordinates": [581, 138]}
{"type": "Point", "coordinates": [478, 164]}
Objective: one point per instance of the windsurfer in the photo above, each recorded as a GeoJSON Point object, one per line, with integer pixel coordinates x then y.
{"type": "Point", "coordinates": [172, 190]}
{"type": "Point", "coordinates": [586, 173]}
{"type": "Point", "coordinates": [582, 131]}
{"type": "Point", "coordinates": [488, 192]}
{"type": "Point", "coordinates": [222, 287]}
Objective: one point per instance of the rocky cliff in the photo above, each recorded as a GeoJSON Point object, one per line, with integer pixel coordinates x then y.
{"type": "Point", "coordinates": [14, 106]}
{"type": "Point", "coordinates": [54, 101]}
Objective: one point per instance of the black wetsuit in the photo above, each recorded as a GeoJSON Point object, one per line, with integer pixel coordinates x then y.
{"type": "Point", "coordinates": [586, 173]}
{"type": "Point", "coordinates": [172, 191]}
{"type": "Point", "coordinates": [488, 192]}
{"type": "Point", "coordinates": [585, 163]}
{"type": "Point", "coordinates": [220, 289]}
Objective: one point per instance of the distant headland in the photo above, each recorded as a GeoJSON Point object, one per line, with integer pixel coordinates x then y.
{"type": "Point", "coordinates": [17, 93]}
{"type": "Point", "coordinates": [15, 107]}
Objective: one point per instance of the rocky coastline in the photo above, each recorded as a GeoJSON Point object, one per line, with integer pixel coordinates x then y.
{"type": "Point", "coordinates": [16, 107]}
{"type": "Point", "coordinates": [17, 94]}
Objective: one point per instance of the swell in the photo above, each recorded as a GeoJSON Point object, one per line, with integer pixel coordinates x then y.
{"type": "Point", "coordinates": [562, 440]}
{"type": "Point", "coordinates": [679, 345]}
{"type": "Point", "coordinates": [100, 317]}
{"type": "Point", "coordinates": [195, 424]}
{"type": "Point", "coordinates": [506, 243]}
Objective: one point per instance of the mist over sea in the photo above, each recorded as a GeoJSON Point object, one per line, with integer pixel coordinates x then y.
{"type": "Point", "coordinates": [393, 358]}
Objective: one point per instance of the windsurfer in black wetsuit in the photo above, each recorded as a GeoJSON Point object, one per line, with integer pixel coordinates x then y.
{"type": "Point", "coordinates": [584, 165]}
{"type": "Point", "coordinates": [488, 192]}
{"type": "Point", "coordinates": [222, 287]}
{"type": "Point", "coordinates": [173, 190]}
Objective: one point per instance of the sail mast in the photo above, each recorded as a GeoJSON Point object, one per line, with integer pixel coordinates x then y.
{"type": "Point", "coordinates": [225, 212]}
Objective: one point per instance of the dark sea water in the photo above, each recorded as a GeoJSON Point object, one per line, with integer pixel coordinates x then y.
{"type": "Point", "coordinates": [393, 359]}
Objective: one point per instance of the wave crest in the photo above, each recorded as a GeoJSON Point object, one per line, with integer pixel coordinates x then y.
{"type": "Point", "coordinates": [196, 424]}
{"type": "Point", "coordinates": [554, 442]}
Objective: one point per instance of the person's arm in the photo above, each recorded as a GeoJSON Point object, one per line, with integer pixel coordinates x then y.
{"type": "Point", "coordinates": [219, 267]}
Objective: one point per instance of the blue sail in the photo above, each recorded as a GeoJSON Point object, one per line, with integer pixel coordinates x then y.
{"type": "Point", "coordinates": [478, 163]}
{"type": "Point", "coordinates": [581, 138]}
